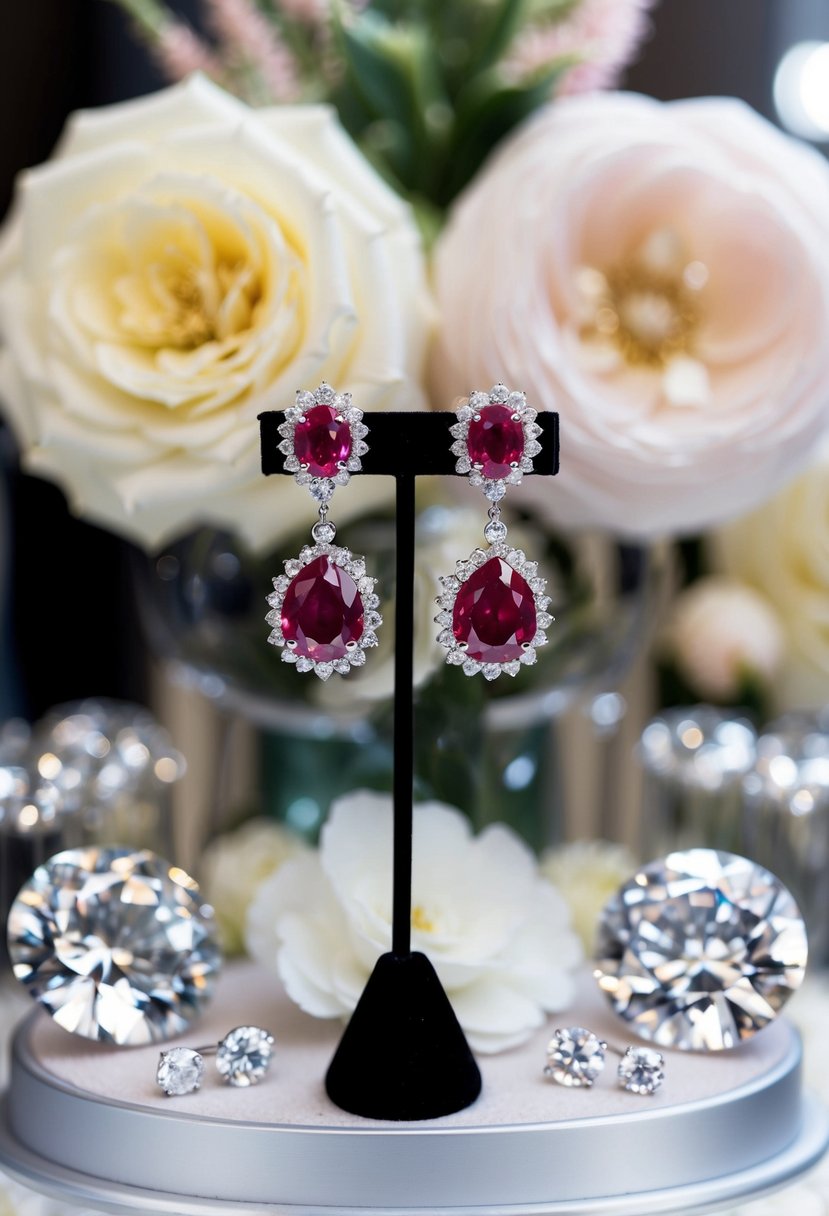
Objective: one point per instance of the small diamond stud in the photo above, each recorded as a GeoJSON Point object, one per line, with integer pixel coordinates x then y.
{"type": "Point", "coordinates": [244, 1055]}
{"type": "Point", "coordinates": [180, 1071]}
{"type": "Point", "coordinates": [641, 1070]}
{"type": "Point", "coordinates": [575, 1057]}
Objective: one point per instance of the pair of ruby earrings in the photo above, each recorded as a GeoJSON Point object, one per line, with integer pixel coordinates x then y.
{"type": "Point", "coordinates": [493, 610]}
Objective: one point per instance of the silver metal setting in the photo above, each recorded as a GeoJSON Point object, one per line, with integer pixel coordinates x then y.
{"type": "Point", "coordinates": [467, 412]}
{"type": "Point", "coordinates": [322, 488]}
{"type": "Point", "coordinates": [516, 559]}
{"type": "Point", "coordinates": [354, 565]}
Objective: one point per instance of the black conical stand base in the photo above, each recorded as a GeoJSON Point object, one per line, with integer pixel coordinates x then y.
{"type": "Point", "coordinates": [403, 1055]}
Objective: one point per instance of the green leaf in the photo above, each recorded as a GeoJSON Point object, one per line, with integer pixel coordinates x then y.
{"type": "Point", "coordinates": [393, 70]}
{"type": "Point", "coordinates": [507, 18]}
{"type": "Point", "coordinates": [489, 111]}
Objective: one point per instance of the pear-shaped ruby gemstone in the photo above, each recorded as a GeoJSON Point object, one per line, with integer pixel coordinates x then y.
{"type": "Point", "coordinates": [495, 441]}
{"type": "Point", "coordinates": [321, 441]}
{"type": "Point", "coordinates": [322, 611]}
{"type": "Point", "coordinates": [494, 613]}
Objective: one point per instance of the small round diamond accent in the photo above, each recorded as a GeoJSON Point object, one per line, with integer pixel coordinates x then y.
{"type": "Point", "coordinates": [575, 1057]}
{"type": "Point", "coordinates": [244, 1055]}
{"type": "Point", "coordinates": [641, 1070]}
{"type": "Point", "coordinates": [700, 950]}
{"type": "Point", "coordinates": [180, 1071]}
{"type": "Point", "coordinates": [495, 531]}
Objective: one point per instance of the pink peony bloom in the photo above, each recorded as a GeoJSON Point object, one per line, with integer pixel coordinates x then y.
{"type": "Point", "coordinates": [600, 36]}
{"type": "Point", "coordinates": [659, 273]}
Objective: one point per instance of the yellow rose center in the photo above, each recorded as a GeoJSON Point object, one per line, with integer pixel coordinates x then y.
{"type": "Point", "coordinates": [178, 302]}
{"type": "Point", "coordinates": [647, 305]}
{"type": "Point", "coordinates": [422, 921]}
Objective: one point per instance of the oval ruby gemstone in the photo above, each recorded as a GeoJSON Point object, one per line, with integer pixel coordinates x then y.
{"type": "Point", "coordinates": [321, 442]}
{"type": "Point", "coordinates": [322, 611]}
{"type": "Point", "coordinates": [494, 613]}
{"type": "Point", "coordinates": [495, 441]}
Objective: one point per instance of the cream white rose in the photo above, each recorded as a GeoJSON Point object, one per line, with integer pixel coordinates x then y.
{"type": "Point", "coordinates": [783, 550]}
{"type": "Point", "coordinates": [660, 275]}
{"type": "Point", "coordinates": [587, 873]}
{"type": "Point", "coordinates": [182, 264]}
{"type": "Point", "coordinates": [233, 867]}
{"type": "Point", "coordinates": [496, 932]}
{"type": "Point", "coordinates": [721, 633]}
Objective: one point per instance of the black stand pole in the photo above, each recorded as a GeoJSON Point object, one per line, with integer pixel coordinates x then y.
{"type": "Point", "coordinates": [403, 1054]}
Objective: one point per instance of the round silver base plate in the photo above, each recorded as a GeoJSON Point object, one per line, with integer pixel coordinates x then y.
{"type": "Point", "coordinates": [86, 1122]}
{"type": "Point", "coordinates": [691, 1200]}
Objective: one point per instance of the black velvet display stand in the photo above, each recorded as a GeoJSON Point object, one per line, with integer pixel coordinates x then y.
{"type": "Point", "coordinates": [403, 1054]}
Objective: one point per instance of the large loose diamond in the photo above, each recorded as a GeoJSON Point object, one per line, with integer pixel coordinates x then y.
{"type": "Point", "coordinates": [700, 949]}
{"type": "Point", "coordinates": [114, 944]}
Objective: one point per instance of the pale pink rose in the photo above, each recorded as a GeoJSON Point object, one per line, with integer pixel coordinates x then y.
{"type": "Point", "coordinates": [658, 273]}
{"type": "Point", "coordinates": [721, 633]}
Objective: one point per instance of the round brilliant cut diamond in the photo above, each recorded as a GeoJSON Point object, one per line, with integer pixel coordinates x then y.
{"type": "Point", "coordinates": [244, 1055]}
{"type": "Point", "coordinates": [575, 1057]}
{"type": "Point", "coordinates": [114, 944]}
{"type": "Point", "coordinates": [700, 950]}
{"type": "Point", "coordinates": [641, 1070]}
{"type": "Point", "coordinates": [180, 1071]}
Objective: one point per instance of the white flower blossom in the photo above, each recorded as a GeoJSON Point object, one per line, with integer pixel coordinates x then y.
{"type": "Point", "coordinates": [586, 873]}
{"type": "Point", "coordinates": [496, 932]}
{"type": "Point", "coordinates": [182, 264]}
{"type": "Point", "coordinates": [233, 867]}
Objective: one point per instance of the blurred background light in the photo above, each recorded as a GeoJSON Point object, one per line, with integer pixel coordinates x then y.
{"type": "Point", "coordinates": [801, 90]}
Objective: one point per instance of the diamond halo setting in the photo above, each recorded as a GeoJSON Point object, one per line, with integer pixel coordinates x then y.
{"type": "Point", "coordinates": [700, 950]}
{"type": "Point", "coordinates": [525, 633]}
{"type": "Point", "coordinates": [323, 438]}
{"type": "Point", "coordinates": [513, 441]}
{"type": "Point", "coordinates": [308, 641]}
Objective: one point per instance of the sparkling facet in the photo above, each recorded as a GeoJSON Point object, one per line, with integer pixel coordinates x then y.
{"type": "Point", "coordinates": [494, 613]}
{"type": "Point", "coordinates": [575, 1057]}
{"type": "Point", "coordinates": [114, 944]}
{"type": "Point", "coordinates": [180, 1071]}
{"type": "Point", "coordinates": [700, 949]}
{"type": "Point", "coordinates": [641, 1070]}
{"type": "Point", "coordinates": [244, 1055]}
{"type": "Point", "coordinates": [321, 441]}
{"type": "Point", "coordinates": [495, 441]}
{"type": "Point", "coordinates": [322, 611]}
